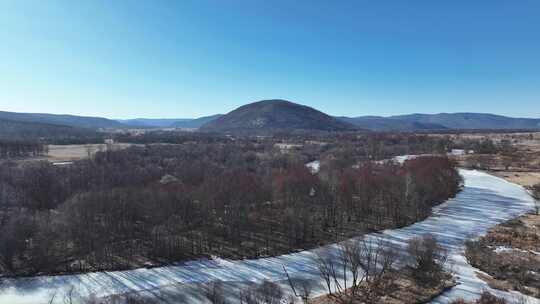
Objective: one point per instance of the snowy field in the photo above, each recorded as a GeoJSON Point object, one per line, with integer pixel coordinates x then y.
{"type": "Point", "coordinates": [484, 202]}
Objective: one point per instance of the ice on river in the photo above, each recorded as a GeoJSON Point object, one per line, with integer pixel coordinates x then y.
{"type": "Point", "coordinates": [484, 202]}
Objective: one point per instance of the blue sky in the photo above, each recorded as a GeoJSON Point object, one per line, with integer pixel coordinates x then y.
{"type": "Point", "coordinates": [125, 59]}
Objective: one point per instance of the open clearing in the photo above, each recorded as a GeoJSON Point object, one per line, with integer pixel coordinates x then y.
{"type": "Point", "coordinates": [66, 153]}
{"type": "Point", "coordinates": [525, 179]}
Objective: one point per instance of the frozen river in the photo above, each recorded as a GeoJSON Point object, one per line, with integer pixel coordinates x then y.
{"type": "Point", "coordinates": [484, 202]}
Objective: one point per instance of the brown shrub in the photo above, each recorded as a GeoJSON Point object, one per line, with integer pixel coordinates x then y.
{"type": "Point", "coordinates": [485, 298]}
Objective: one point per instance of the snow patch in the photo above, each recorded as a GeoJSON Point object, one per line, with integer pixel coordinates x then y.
{"type": "Point", "coordinates": [314, 166]}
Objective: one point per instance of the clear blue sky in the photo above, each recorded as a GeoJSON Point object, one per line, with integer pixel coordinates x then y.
{"type": "Point", "coordinates": [183, 58]}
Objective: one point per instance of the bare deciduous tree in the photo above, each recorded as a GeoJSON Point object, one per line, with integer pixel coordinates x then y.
{"type": "Point", "coordinates": [214, 292]}
{"type": "Point", "coordinates": [301, 288]}
{"type": "Point", "coordinates": [428, 258]}
{"type": "Point", "coordinates": [327, 269]}
{"type": "Point", "coordinates": [368, 261]}
{"type": "Point", "coordinates": [269, 293]}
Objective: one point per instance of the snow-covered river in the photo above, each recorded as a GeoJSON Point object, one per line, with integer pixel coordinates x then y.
{"type": "Point", "coordinates": [484, 202]}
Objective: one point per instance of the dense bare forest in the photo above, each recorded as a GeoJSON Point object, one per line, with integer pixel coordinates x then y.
{"type": "Point", "coordinates": [11, 130]}
{"type": "Point", "coordinates": [236, 198]}
{"type": "Point", "coordinates": [21, 149]}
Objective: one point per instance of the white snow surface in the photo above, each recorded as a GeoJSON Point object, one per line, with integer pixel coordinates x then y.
{"type": "Point", "coordinates": [314, 166]}
{"type": "Point", "coordinates": [484, 202]}
{"type": "Point", "coordinates": [400, 159]}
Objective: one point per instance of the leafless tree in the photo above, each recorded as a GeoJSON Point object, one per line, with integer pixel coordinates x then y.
{"type": "Point", "coordinates": [301, 288]}
{"type": "Point", "coordinates": [214, 292]}
{"type": "Point", "coordinates": [428, 258]}
{"type": "Point", "coordinates": [326, 266]}
{"type": "Point", "coordinates": [247, 296]}
{"type": "Point", "coordinates": [269, 293]}
{"type": "Point", "coordinates": [107, 209]}
{"type": "Point", "coordinates": [69, 295]}
{"type": "Point", "coordinates": [368, 261]}
{"type": "Point", "coordinates": [305, 288]}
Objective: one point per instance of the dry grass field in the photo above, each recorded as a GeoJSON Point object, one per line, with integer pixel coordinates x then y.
{"type": "Point", "coordinates": [521, 167]}
{"type": "Point", "coordinates": [509, 254]}
{"type": "Point", "coordinates": [525, 138]}
{"type": "Point", "coordinates": [66, 153]}
{"type": "Point", "coordinates": [526, 179]}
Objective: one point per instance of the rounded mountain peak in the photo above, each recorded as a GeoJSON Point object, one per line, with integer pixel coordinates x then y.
{"type": "Point", "coordinates": [267, 116]}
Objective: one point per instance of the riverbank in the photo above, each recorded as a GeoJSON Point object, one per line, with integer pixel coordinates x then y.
{"type": "Point", "coordinates": [509, 254]}
{"type": "Point", "coordinates": [523, 178]}
{"type": "Point", "coordinates": [404, 291]}
{"type": "Point", "coordinates": [484, 202]}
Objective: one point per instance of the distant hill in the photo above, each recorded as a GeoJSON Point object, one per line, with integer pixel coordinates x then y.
{"type": "Point", "coordinates": [378, 123]}
{"type": "Point", "coordinates": [179, 123]}
{"type": "Point", "coordinates": [13, 130]}
{"type": "Point", "coordinates": [269, 116]}
{"type": "Point", "coordinates": [152, 122]}
{"type": "Point", "coordinates": [195, 123]}
{"type": "Point", "coordinates": [471, 121]}
{"type": "Point", "coordinates": [275, 115]}
{"type": "Point", "coordinates": [456, 121]}
{"type": "Point", "coordinates": [66, 120]}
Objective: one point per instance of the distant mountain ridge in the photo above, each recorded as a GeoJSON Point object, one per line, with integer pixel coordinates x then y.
{"type": "Point", "coordinates": [196, 122]}
{"type": "Point", "coordinates": [271, 116]}
{"type": "Point", "coordinates": [275, 115]}
{"type": "Point", "coordinates": [86, 122]}
{"type": "Point", "coordinates": [179, 123]}
{"type": "Point", "coordinates": [378, 123]}
{"type": "Point", "coordinates": [472, 121]}
{"type": "Point", "coordinates": [14, 130]}
{"type": "Point", "coordinates": [444, 121]}
{"type": "Point", "coordinates": [152, 122]}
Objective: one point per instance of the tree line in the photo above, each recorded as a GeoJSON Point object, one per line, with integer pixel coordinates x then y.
{"type": "Point", "coordinates": [20, 149]}
{"type": "Point", "coordinates": [157, 204]}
